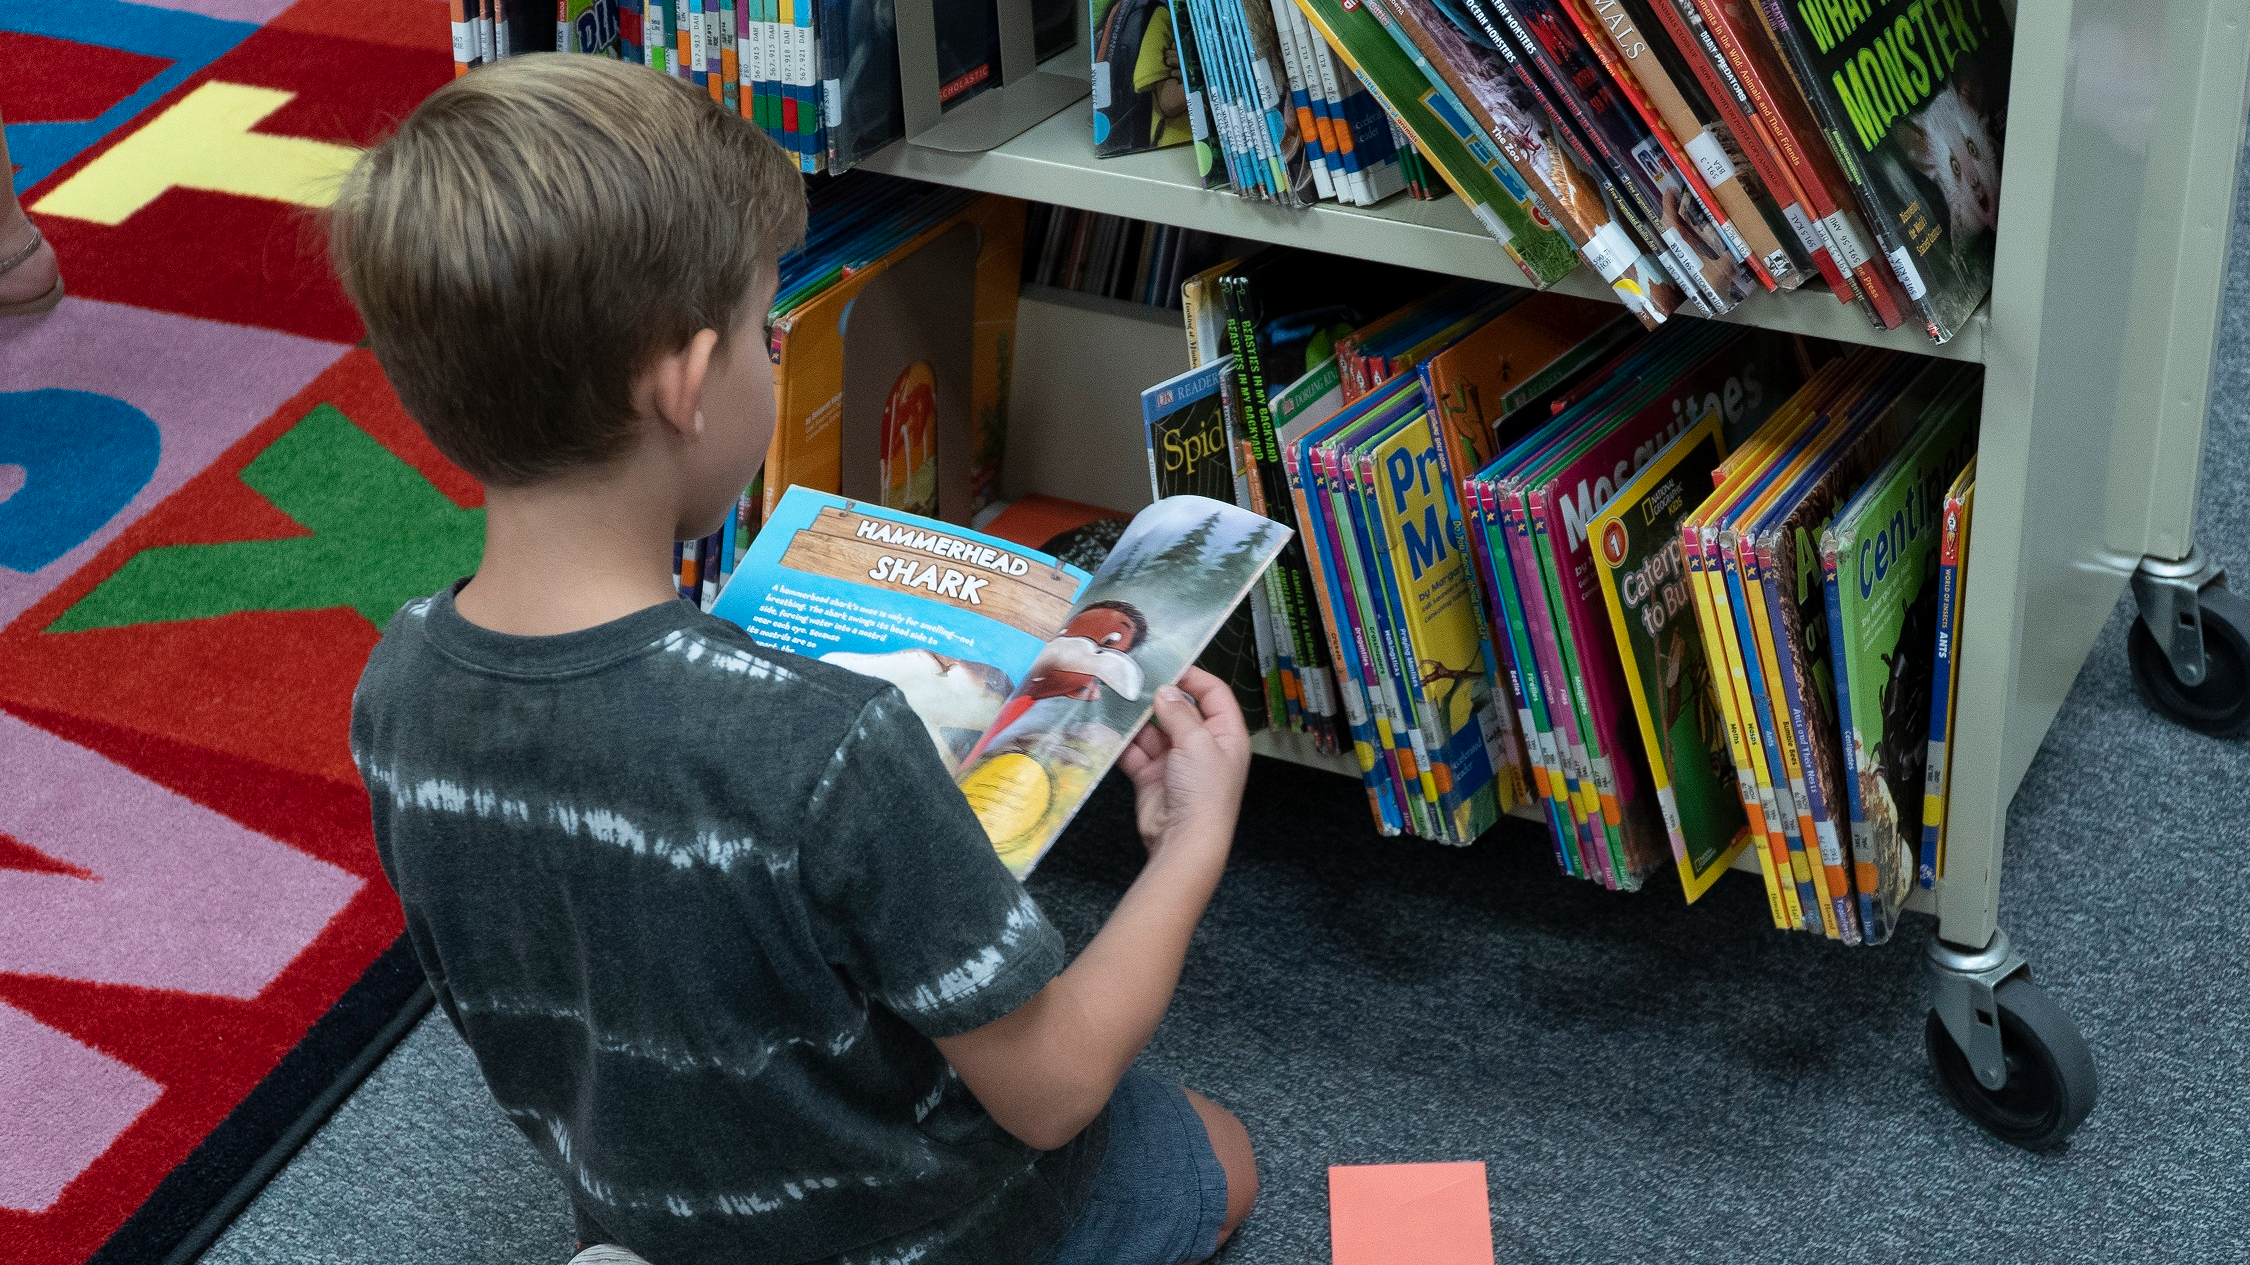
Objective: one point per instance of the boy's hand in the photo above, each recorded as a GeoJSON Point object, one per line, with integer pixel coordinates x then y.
{"type": "Point", "coordinates": [1188, 766]}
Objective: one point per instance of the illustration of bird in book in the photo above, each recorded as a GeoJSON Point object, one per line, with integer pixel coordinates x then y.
{"type": "Point", "coordinates": [1094, 650]}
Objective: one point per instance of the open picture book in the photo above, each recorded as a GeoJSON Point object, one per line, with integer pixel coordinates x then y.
{"type": "Point", "coordinates": [1030, 674]}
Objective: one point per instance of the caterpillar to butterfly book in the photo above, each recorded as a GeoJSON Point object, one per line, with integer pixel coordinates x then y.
{"type": "Point", "coordinates": [1030, 674]}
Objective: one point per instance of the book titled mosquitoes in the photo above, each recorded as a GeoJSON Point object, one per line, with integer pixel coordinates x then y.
{"type": "Point", "coordinates": [1914, 100]}
{"type": "Point", "coordinates": [1030, 674]}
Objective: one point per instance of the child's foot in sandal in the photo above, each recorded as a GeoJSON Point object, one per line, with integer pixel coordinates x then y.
{"type": "Point", "coordinates": [30, 275]}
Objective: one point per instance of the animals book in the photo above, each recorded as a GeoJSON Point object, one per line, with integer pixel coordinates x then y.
{"type": "Point", "coordinates": [1675, 701]}
{"type": "Point", "coordinates": [1030, 674]}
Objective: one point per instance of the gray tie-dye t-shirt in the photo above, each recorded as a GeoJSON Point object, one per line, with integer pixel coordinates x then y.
{"type": "Point", "coordinates": [699, 908]}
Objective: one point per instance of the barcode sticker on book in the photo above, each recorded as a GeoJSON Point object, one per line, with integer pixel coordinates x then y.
{"type": "Point", "coordinates": [1846, 241]}
{"type": "Point", "coordinates": [1801, 224]}
{"type": "Point", "coordinates": [1903, 264]}
{"type": "Point", "coordinates": [1101, 85]}
{"type": "Point", "coordinates": [1710, 159]}
{"type": "Point", "coordinates": [1610, 251]}
{"type": "Point", "coordinates": [1491, 221]}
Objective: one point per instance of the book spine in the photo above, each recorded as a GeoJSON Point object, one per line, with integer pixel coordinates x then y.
{"type": "Point", "coordinates": [1819, 792]}
{"type": "Point", "coordinates": [1935, 772]}
{"type": "Point", "coordinates": [1738, 112]}
{"type": "Point", "coordinates": [1700, 160]}
{"type": "Point", "coordinates": [1298, 98]}
{"type": "Point", "coordinates": [1578, 770]}
{"type": "Point", "coordinates": [1710, 624]}
{"type": "Point", "coordinates": [1382, 679]}
{"type": "Point", "coordinates": [1881, 215]}
{"type": "Point", "coordinates": [464, 37]}
{"type": "Point", "coordinates": [1866, 879]}
{"type": "Point", "coordinates": [1746, 581]}
{"type": "Point", "coordinates": [1579, 124]}
{"type": "Point", "coordinates": [1837, 225]}
{"type": "Point", "coordinates": [1348, 669]}
{"type": "Point", "coordinates": [1523, 677]}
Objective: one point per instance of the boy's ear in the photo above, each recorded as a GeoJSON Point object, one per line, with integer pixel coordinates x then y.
{"type": "Point", "coordinates": [672, 386]}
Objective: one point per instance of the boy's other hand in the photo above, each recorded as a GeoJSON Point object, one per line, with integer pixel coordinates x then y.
{"type": "Point", "coordinates": [1188, 766]}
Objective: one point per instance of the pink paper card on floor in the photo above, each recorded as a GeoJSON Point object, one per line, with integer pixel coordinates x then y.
{"type": "Point", "coordinates": [1409, 1214]}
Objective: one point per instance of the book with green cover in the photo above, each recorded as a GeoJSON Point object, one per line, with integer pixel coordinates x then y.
{"type": "Point", "coordinates": [1350, 28]}
{"type": "Point", "coordinates": [1644, 585]}
{"type": "Point", "coordinates": [1879, 561]}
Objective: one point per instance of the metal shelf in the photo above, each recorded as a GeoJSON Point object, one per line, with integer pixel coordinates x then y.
{"type": "Point", "coordinates": [1054, 162]}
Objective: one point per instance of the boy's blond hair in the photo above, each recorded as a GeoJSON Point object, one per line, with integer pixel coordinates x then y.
{"type": "Point", "coordinates": [538, 231]}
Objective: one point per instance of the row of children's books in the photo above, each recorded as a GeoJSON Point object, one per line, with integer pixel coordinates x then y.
{"type": "Point", "coordinates": [1693, 152]}
{"type": "Point", "coordinates": [892, 337]}
{"type": "Point", "coordinates": [1269, 108]}
{"type": "Point", "coordinates": [1114, 257]}
{"type": "Point", "coordinates": [1681, 593]}
{"type": "Point", "coordinates": [820, 76]}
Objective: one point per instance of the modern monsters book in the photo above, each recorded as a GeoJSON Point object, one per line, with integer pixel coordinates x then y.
{"type": "Point", "coordinates": [1189, 454]}
{"type": "Point", "coordinates": [1645, 585]}
{"type": "Point", "coordinates": [1029, 675]}
{"type": "Point", "coordinates": [1914, 100]}
{"type": "Point", "coordinates": [1880, 562]}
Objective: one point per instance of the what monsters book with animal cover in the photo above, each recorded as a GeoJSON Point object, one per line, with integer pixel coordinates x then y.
{"type": "Point", "coordinates": [1029, 674]}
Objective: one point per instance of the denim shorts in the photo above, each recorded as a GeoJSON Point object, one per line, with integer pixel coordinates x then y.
{"type": "Point", "coordinates": [1160, 1195]}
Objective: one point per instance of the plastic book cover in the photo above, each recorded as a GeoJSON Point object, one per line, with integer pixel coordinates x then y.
{"type": "Point", "coordinates": [1693, 55]}
{"type": "Point", "coordinates": [1543, 742]}
{"type": "Point", "coordinates": [1442, 631]}
{"type": "Point", "coordinates": [1749, 52]}
{"type": "Point", "coordinates": [1478, 173]}
{"type": "Point", "coordinates": [1189, 454]}
{"type": "Point", "coordinates": [1699, 151]}
{"type": "Point", "coordinates": [1668, 207]}
{"type": "Point", "coordinates": [1146, 614]}
{"type": "Point", "coordinates": [1140, 97]}
{"type": "Point", "coordinates": [1787, 544]}
{"type": "Point", "coordinates": [953, 617]}
{"type": "Point", "coordinates": [1667, 676]}
{"type": "Point", "coordinates": [1914, 102]}
{"type": "Point", "coordinates": [1358, 610]}
{"type": "Point", "coordinates": [1321, 544]}
{"type": "Point", "coordinates": [1382, 619]}
{"type": "Point", "coordinates": [892, 383]}
{"type": "Point", "coordinates": [1247, 144]}
{"type": "Point", "coordinates": [1880, 561]}
{"type": "Point", "coordinates": [859, 87]}
{"type": "Point", "coordinates": [1953, 564]}
{"type": "Point", "coordinates": [1473, 83]}
{"type": "Point", "coordinates": [1210, 164]}
{"type": "Point", "coordinates": [1269, 84]}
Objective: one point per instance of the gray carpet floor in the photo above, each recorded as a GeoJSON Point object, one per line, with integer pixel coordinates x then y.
{"type": "Point", "coordinates": [1644, 1082]}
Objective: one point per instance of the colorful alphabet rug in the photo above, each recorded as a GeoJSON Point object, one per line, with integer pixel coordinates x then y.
{"type": "Point", "coordinates": [210, 503]}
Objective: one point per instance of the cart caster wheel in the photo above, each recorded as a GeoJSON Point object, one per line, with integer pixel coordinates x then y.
{"type": "Point", "coordinates": [2051, 1081]}
{"type": "Point", "coordinates": [2219, 705]}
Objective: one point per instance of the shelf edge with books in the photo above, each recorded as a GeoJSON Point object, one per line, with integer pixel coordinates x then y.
{"type": "Point", "coordinates": [1054, 162]}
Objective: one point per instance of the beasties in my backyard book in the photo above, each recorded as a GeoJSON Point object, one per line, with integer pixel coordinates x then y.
{"type": "Point", "coordinates": [1029, 674]}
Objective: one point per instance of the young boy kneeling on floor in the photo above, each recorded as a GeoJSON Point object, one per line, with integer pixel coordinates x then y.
{"type": "Point", "coordinates": [727, 942]}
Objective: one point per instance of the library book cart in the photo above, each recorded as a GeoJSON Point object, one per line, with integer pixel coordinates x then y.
{"type": "Point", "coordinates": [2126, 123]}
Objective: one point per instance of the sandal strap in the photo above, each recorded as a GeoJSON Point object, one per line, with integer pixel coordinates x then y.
{"type": "Point", "coordinates": [9, 264]}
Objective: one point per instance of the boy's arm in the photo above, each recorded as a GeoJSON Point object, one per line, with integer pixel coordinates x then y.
{"type": "Point", "coordinates": [1046, 1069]}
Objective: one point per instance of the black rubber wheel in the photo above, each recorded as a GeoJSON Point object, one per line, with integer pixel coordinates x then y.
{"type": "Point", "coordinates": [2220, 706]}
{"type": "Point", "coordinates": [2051, 1083]}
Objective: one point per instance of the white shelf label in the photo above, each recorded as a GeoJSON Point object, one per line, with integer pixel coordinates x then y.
{"type": "Point", "coordinates": [1903, 264]}
{"type": "Point", "coordinates": [1610, 251]}
{"type": "Point", "coordinates": [1711, 159]}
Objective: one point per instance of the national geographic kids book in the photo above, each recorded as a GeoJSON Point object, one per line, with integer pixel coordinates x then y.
{"type": "Point", "coordinates": [1030, 675]}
